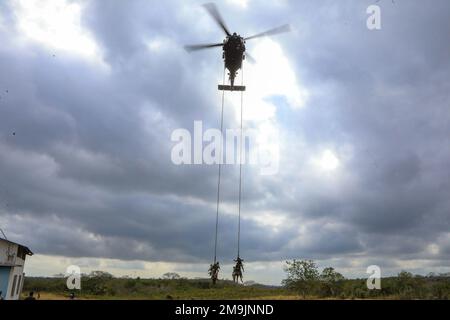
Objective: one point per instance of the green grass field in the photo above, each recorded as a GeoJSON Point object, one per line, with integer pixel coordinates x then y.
{"type": "Point", "coordinates": [109, 288]}
{"type": "Point", "coordinates": [138, 289]}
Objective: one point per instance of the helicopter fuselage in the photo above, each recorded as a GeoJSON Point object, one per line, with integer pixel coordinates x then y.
{"type": "Point", "coordinates": [233, 54]}
{"type": "Point", "coordinates": [233, 47]}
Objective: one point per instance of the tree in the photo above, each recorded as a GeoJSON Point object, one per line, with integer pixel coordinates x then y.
{"type": "Point", "coordinates": [405, 282]}
{"type": "Point", "coordinates": [171, 276]}
{"type": "Point", "coordinates": [331, 282]}
{"type": "Point", "coordinates": [97, 282]}
{"type": "Point", "coordinates": [302, 275]}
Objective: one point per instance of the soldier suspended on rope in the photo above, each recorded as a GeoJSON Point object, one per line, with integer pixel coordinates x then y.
{"type": "Point", "coordinates": [238, 270]}
{"type": "Point", "coordinates": [214, 271]}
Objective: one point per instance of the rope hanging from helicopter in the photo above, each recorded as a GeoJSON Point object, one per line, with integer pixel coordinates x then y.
{"type": "Point", "coordinates": [238, 269]}
{"type": "Point", "coordinates": [220, 171]}
{"type": "Point", "coordinates": [215, 267]}
{"type": "Point", "coordinates": [240, 168]}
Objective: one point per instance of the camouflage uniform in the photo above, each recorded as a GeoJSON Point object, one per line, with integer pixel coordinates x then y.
{"type": "Point", "coordinates": [214, 272]}
{"type": "Point", "coordinates": [238, 270]}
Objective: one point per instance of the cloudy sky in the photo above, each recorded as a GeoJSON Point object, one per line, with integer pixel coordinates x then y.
{"type": "Point", "coordinates": [91, 91]}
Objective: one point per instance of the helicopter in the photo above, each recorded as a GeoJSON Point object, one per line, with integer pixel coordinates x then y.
{"type": "Point", "coordinates": [234, 50]}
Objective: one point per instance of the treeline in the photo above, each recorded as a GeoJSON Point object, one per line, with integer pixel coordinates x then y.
{"type": "Point", "coordinates": [305, 278]}
{"type": "Point", "coordinates": [102, 285]}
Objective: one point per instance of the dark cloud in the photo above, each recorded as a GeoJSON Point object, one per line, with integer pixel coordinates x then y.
{"type": "Point", "coordinates": [88, 173]}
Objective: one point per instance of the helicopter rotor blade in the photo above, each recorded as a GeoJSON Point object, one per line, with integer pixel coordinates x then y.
{"type": "Point", "coordinates": [249, 58]}
{"type": "Point", "coordinates": [272, 32]}
{"type": "Point", "coordinates": [202, 46]}
{"type": "Point", "coordinates": [214, 12]}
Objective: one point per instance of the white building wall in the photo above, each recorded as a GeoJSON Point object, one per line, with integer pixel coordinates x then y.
{"type": "Point", "coordinates": [8, 257]}
{"type": "Point", "coordinates": [18, 273]}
